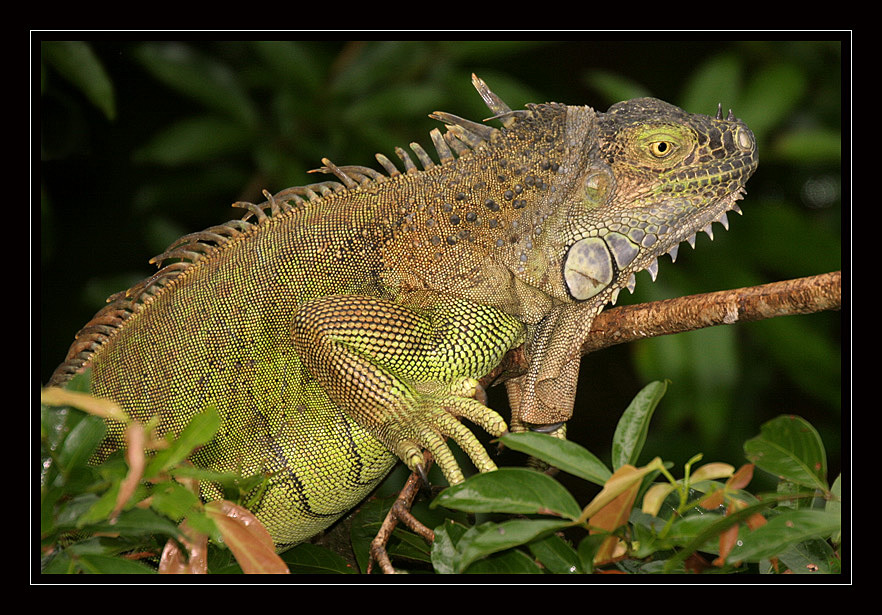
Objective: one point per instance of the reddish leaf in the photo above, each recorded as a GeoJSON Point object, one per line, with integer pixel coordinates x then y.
{"type": "Point", "coordinates": [756, 520]}
{"type": "Point", "coordinates": [135, 438]}
{"type": "Point", "coordinates": [742, 477]}
{"type": "Point", "coordinates": [695, 563]}
{"type": "Point", "coordinates": [246, 537]}
{"type": "Point", "coordinates": [727, 540]}
{"type": "Point", "coordinates": [614, 515]}
{"type": "Point", "coordinates": [173, 560]}
{"type": "Point", "coordinates": [713, 500]}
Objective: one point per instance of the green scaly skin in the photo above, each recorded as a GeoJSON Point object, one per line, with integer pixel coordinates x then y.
{"type": "Point", "coordinates": [342, 326]}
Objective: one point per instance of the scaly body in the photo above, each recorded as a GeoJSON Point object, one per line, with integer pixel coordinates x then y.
{"type": "Point", "coordinates": [343, 326]}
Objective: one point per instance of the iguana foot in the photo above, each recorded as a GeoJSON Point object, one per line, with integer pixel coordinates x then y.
{"type": "Point", "coordinates": [437, 418]}
{"type": "Point", "coordinates": [406, 373]}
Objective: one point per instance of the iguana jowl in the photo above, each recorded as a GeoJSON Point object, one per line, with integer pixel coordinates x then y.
{"type": "Point", "coordinates": [342, 326]}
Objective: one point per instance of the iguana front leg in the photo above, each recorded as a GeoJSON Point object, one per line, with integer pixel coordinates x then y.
{"type": "Point", "coordinates": [406, 372]}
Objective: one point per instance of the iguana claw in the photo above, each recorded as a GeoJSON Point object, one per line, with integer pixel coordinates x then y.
{"type": "Point", "coordinates": [421, 470]}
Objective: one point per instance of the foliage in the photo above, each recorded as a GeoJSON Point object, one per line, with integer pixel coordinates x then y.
{"type": "Point", "coordinates": [115, 517]}
{"type": "Point", "coordinates": [705, 521]}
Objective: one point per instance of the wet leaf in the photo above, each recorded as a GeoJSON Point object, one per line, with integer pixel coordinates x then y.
{"type": "Point", "coordinates": [556, 555]}
{"type": "Point", "coordinates": [246, 537]}
{"type": "Point", "coordinates": [782, 531]}
{"type": "Point", "coordinates": [195, 561]}
{"type": "Point", "coordinates": [489, 538]}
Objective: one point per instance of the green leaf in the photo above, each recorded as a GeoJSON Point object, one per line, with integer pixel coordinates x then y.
{"type": "Point", "coordinates": [81, 443]}
{"type": "Point", "coordinates": [834, 504]}
{"type": "Point", "coordinates": [197, 139]}
{"type": "Point", "coordinates": [562, 454]}
{"type": "Point", "coordinates": [790, 448]}
{"type": "Point", "coordinates": [59, 562]}
{"type": "Point", "coordinates": [199, 431]}
{"type": "Point", "coordinates": [105, 564]}
{"type": "Point", "coordinates": [377, 66]}
{"type": "Point", "coordinates": [813, 556]}
{"type": "Point", "coordinates": [772, 94]}
{"type": "Point", "coordinates": [510, 490]}
{"type": "Point", "coordinates": [392, 102]}
{"type": "Point", "coordinates": [631, 430]}
{"type": "Point", "coordinates": [294, 63]}
{"type": "Point", "coordinates": [468, 52]}
{"type": "Point", "coordinates": [809, 145]}
{"type": "Point", "coordinates": [173, 500]}
{"type": "Point", "coordinates": [139, 522]}
{"type": "Point", "coordinates": [365, 525]}
{"type": "Point", "coordinates": [199, 77]}
{"type": "Point", "coordinates": [489, 538]}
{"type": "Point", "coordinates": [101, 509]}
{"type": "Point", "coordinates": [68, 513]}
{"type": "Point", "coordinates": [512, 561]}
{"type": "Point", "coordinates": [783, 531]}
{"type": "Point", "coordinates": [716, 81]}
{"type": "Point", "coordinates": [587, 549]}
{"type": "Point", "coordinates": [75, 61]}
{"type": "Point", "coordinates": [311, 559]}
{"type": "Point", "coordinates": [696, 532]}
{"type": "Point", "coordinates": [81, 382]}
{"type": "Point", "coordinates": [614, 87]}
{"type": "Point", "coordinates": [444, 547]}
{"type": "Point", "coordinates": [688, 530]}
{"type": "Point", "coordinates": [409, 546]}
{"type": "Point", "coordinates": [556, 555]}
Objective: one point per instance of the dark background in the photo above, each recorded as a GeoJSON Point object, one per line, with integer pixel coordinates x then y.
{"type": "Point", "coordinates": [163, 136]}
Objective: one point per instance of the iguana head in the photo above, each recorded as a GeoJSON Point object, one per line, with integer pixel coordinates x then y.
{"type": "Point", "coordinates": [660, 175]}
{"type": "Point", "coordinates": [573, 202]}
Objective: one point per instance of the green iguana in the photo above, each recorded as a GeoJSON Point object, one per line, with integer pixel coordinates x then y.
{"type": "Point", "coordinates": [343, 325]}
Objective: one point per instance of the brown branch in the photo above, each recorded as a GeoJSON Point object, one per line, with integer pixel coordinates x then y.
{"type": "Point", "coordinates": [790, 297]}
{"type": "Point", "coordinates": [633, 322]}
{"type": "Point", "coordinates": [400, 511]}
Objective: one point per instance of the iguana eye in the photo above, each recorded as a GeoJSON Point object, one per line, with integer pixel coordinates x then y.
{"type": "Point", "coordinates": [661, 149]}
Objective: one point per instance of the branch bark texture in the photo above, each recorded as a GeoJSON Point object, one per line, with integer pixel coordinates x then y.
{"type": "Point", "coordinates": [628, 323]}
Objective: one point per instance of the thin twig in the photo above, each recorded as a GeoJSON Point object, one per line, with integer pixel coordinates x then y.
{"type": "Point", "coordinates": [400, 511]}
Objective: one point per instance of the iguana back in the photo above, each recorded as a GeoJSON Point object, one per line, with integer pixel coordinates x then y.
{"type": "Point", "coordinates": [342, 326]}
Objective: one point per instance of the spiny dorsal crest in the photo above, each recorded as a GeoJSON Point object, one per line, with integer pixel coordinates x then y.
{"type": "Point", "coordinates": [462, 136]}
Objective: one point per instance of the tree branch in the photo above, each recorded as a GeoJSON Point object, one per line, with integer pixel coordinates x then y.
{"type": "Point", "coordinates": [633, 322]}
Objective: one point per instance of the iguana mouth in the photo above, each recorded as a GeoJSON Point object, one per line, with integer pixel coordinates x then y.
{"type": "Point", "coordinates": [596, 263]}
{"type": "Point", "coordinates": [705, 179]}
